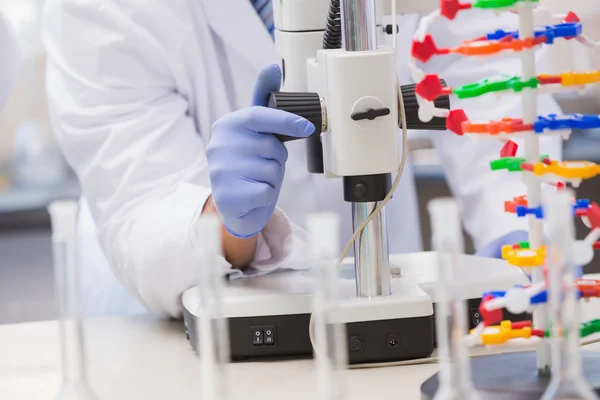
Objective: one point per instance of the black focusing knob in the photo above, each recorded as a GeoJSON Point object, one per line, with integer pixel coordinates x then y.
{"type": "Point", "coordinates": [411, 108]}
{"type": "Point", "coordinates": [389, 29]}
{"type": "Point", "coordinates": [306, 105]}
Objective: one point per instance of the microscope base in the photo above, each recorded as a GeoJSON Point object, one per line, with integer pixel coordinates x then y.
{"type": "Point", "coordinates": [394, 328]}
{"type": "Point", "coordinates": [513, 376]}
{"type": "Point", "coordinates": [269, 318]}
{"type": "Point", "coordinates": [368, 341]}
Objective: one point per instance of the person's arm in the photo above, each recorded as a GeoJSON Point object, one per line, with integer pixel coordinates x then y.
{"type": "Point", "coordinates": [126, 131]}
{"type": "Point", "coordinates": [238, 252]}
{"type": "Point", "coordinates": [466, 160]}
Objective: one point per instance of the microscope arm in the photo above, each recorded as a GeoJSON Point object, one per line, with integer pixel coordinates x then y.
{"type": "Point", "coordinates": [300, 28]}
{"type": "Point", "coordinates": [337, 76]}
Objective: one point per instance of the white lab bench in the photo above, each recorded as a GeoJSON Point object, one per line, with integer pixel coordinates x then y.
{"type": "Point", "coordinates": [146, 358]}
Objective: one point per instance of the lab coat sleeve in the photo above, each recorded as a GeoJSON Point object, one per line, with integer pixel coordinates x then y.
{"type": "Point", "coordinates": [126, 131]}
{"type": "Point", "coordinates": [466, 160]}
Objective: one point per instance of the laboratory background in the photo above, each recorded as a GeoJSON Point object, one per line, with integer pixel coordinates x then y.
{"type": "Point", "coordinates": [33, 174]}
{"type": "Point", "coordinates": [449, 325]}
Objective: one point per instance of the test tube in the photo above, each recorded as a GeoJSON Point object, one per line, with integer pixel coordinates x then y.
{"type": "Point", "coordinates": [212, 328]}
{"type": "Point", "coordinates": [63, 216]}
{"type": "Point", "coordinates": [455, 381]}
{"type": "Point", "coordinates": [567, 380]}
{"type": "Point", "coordinates": [328, 331]}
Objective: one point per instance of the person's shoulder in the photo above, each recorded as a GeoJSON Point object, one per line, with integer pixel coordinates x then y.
{"type": "Point", "coordinates": [132, 12]}
{"type": "Point", "coordinates": [146, 12]}
{"type": "Point", "coordinates": [104, 22]}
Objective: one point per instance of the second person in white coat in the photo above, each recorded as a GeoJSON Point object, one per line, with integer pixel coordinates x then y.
{"type": "Point", "coordinates": [134, 92]}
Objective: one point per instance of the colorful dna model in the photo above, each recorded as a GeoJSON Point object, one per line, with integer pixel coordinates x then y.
{"type": "Point", "coordinates": [537, 169]}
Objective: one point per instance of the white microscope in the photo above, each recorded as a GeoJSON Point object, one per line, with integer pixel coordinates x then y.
{"type": "Point", "coordinates": [339, 77]}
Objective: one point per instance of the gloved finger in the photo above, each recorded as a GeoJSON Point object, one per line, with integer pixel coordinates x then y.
{"type": "Point", "coordinates": [270, 148]}
{"type": "Point", "coordinates": [248, 142]}
{"type": "Point", "coordinates": [266, 171]}
{"type": "Point", "coordinates": [269, 80]}
{"type": "Point", "coordinates": [269, 120]}
{"type": "Point", "coordinates": [252, 223]}
{"type": "Point", "coordinates": [256, 194]}
{"type": "Point", "coordinates": [247, 195]}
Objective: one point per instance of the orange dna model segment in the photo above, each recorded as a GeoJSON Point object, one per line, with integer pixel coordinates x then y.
{"type": "Point", "coordinates": [511, 206]}
{"type": "Point", "coordinates": [490, 47]}
{"type": "Point", "coordinates": [505, 125]}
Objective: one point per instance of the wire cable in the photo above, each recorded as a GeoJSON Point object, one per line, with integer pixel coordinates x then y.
{"type": "Point", "coordinates": [332, 37]}
{"type": "Point", "coordinates": [402, 123]}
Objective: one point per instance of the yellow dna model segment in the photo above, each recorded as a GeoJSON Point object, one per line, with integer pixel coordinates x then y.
{"type": "Point", "coordinates": [524, 257]}
{"type": "Point", "coordinates": [568, 169]}
{"type": "Point", "coordinates": [507, 330]}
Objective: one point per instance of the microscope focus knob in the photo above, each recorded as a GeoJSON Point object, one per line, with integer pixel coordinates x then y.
{"type": "Point", "coordinates": [306, 105]}
{"type": "Point", "coordinates": [411, 107]}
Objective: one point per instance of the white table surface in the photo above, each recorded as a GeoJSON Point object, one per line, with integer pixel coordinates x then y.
{"type": "Point", "coordinates": [145, 358]}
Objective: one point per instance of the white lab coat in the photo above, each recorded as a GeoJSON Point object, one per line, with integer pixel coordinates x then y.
{"type": "Point", "coordinates": [9, 61]}
{"type": "Point", "coordinates": [134, 89]}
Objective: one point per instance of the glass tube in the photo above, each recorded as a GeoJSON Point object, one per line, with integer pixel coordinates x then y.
{"type": "Point", "coordinates": [327, 329]}
{"type": "Point", "coordinates": [567, 380]}
{"type": "Point", "coordinates": [212, 329]}
{"type": "Point", "coordinates": [455, 380]}
{"type": "Point", "coordinates": [63, 217]}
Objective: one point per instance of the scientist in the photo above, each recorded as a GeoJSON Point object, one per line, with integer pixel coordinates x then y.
{"type": "Point", "coordinates": [151, 105]}
{"type": "Point", "coordinates": [9, 61]}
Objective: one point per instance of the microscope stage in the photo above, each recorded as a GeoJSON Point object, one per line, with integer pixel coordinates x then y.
{"type": "Point", "coordinates": [269, 315]}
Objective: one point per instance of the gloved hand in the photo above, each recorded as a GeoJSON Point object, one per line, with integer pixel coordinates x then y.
{"type": "Point", "coordinates": [246, 161]}
{"type": "Point", "coordinates": [494, 249]}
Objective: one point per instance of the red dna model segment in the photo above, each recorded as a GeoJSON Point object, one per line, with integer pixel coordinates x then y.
{"type": "Point", "coordinates": [449, 8]}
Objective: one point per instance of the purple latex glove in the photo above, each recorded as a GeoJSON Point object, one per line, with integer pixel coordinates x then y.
{"type": "Point", "coordinates": [494, 249]}
{"type": "Point", "coordinates": [246, 161]}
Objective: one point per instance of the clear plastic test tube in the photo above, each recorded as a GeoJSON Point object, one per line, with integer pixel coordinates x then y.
{"type": "Point", "coordinates": [63, 215]}
{"type": "Point", "coordinates": [328, 332]}
{"type": "Point", "coordinates": [212, 328]}
{"type": "Point", "coordinates": [567, 380]}
{"type": "Point", "coordinates": [455, 380]}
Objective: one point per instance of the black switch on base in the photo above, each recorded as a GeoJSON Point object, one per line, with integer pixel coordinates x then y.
{"type": "Point", "coordinates": [257, 337]}
{"type": "Point", "coordinates": [475, 317]}
{"type": "Point", "coordinates": [269, 335]}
